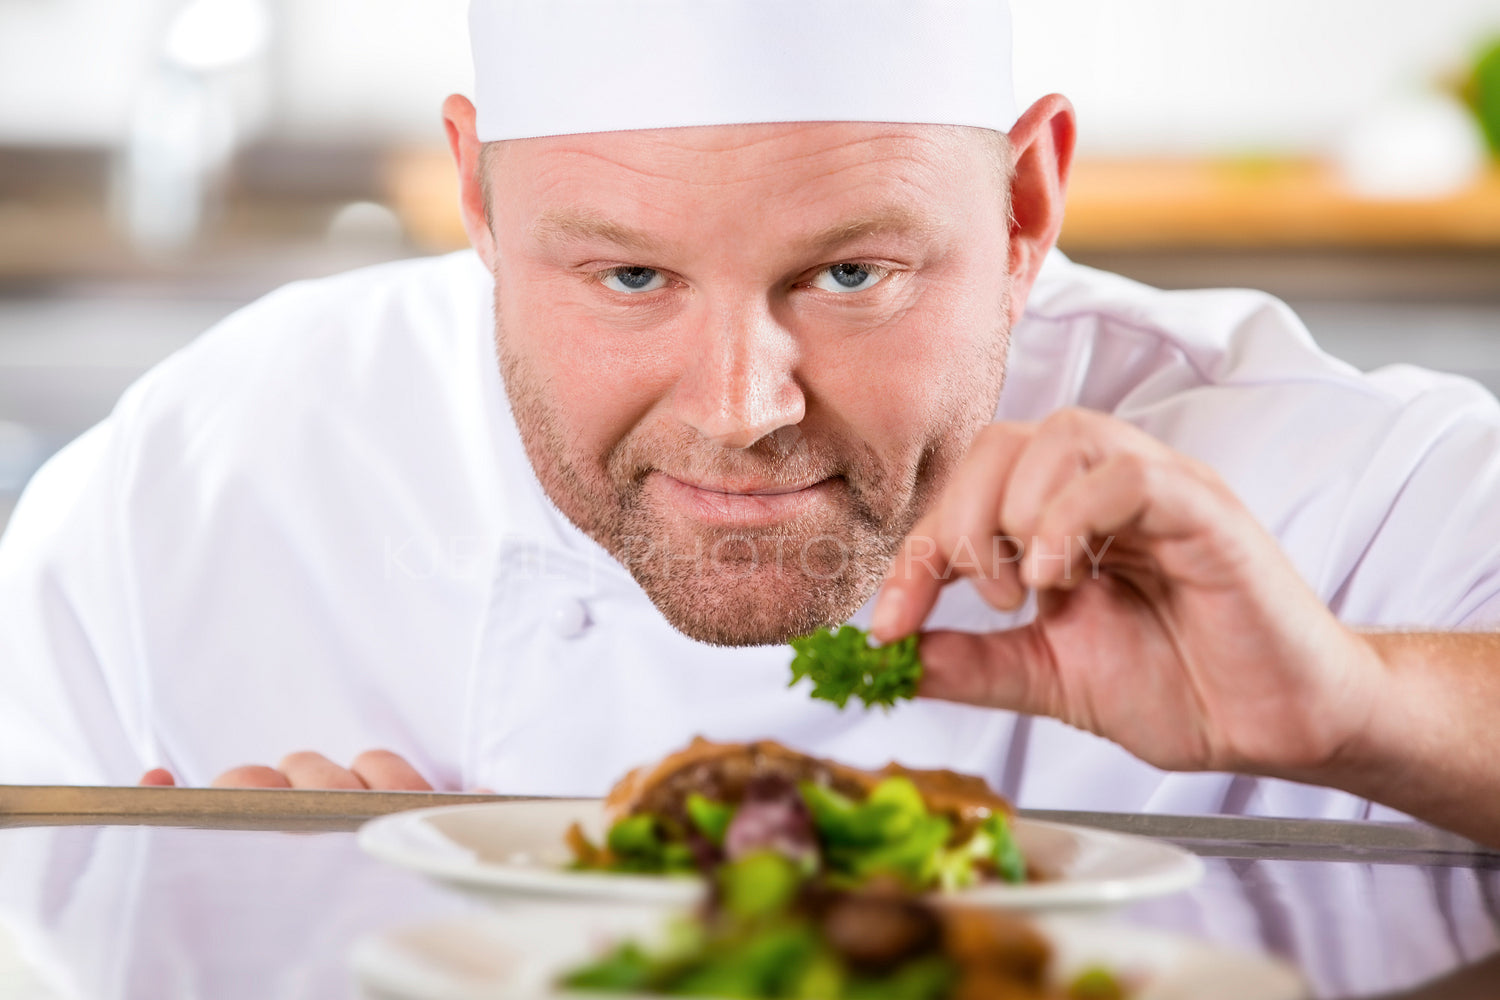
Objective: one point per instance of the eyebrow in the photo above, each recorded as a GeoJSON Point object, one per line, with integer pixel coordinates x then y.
{"type": "Point", "coordinates": [562, 226]}
{"type": "Point", "coordinates": [890, 220]}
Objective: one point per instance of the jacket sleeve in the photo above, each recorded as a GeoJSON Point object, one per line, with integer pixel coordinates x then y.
{"type": "Point", "coordinates": [71, 703]}
{"type": "Point", "coordinates": [1421, 535]}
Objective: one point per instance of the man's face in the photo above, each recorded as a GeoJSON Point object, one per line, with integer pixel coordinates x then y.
{"type": "Point", "coordinates": [743, 358]}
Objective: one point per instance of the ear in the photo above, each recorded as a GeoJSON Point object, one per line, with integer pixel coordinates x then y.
{"type": "Point", "coordinates": [463, 140]}
{"type": "Point", "coordinates": [1042, 143]}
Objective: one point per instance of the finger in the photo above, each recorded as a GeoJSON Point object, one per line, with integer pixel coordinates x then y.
{"type": "Point", "coordinates": [312, 770]}
{"type": "Point", "coordinates": [1001, 587]}
{"type": "Point", "coordinates": [1064, 447]}
{"type": "Point", "coordinates": [1012, 670]}
{"type": "Point", "coordinates": [387, 772]}
{"type": "Point", "coordinates": [956, 538]}
{"type": "Point", "coordinates": [252, 776]}
{"type": "Point", "coordinates": [1069, 444]}
{"type": "Point", "coordinates": [157, 777]}
{"type": "Point", "coordinates": [966, 521]}
{"type": "Point", "coordinates": [1090, 509]}
{"type": "Point", "coordinates": [910, 587]}
{"type": "Point", "coordinates": [1162, 502]}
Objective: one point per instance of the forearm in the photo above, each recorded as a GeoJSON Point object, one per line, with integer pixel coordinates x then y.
{"type": "Point", "coordinates": [1432, 744]}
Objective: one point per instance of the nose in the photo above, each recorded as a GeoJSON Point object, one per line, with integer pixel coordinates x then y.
{"type": "Point", "coordinates": [739, 382]}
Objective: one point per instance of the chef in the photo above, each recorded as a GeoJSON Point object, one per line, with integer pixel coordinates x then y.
{"type": "Point", "coordinates": [762, 316]}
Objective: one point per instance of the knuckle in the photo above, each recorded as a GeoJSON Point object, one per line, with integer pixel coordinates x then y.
{"type": "Point", "coordinates": [1063, 516]}
{"type": "Point", "coordinates": [1079, 434]}
{"type": "Point", "coordinates": [1071, 422]}
{"type": "Point", "coordinates": [377, 758]}
{"type": "Point", "coordinates": [1208, 476]}
{"type": "Point", "coordinates": [1139, 473]}
{"type": "Point", "coordinates": [300, 759]}
{"type": "Point", "coordinates": [249, 776]}
{"type": "Point", "coordinates": [995, 441]}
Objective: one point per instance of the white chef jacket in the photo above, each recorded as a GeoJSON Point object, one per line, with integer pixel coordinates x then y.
{"type": "Point", "coordinates": [315, 528]}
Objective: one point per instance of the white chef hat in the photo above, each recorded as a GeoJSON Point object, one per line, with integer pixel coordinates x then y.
{"type": "Point", "coordinates": [559, 67]}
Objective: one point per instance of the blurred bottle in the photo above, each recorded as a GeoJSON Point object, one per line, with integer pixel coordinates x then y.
{"type": "Point", "coordinates": [206, 96]}
{"type": "Point", "coordinates": [1412, 147]}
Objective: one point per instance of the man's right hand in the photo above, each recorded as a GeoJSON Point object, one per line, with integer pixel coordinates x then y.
{"type": "Point", "coordinates": [377, 770]}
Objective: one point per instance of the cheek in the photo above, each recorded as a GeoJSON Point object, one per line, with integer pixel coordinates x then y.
{"type": "Point", "coordinates": [598, 381]}
{"type": "Point", "coordinates": [932, 373]}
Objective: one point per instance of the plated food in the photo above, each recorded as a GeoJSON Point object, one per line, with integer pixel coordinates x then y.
{"type": "Point", "coordinates": [770, 873]}
{"type": "Point", "coordinates": [771, 930]}
{"type": "Point", "coordinates": [525, 953]}
{"type": "Point", "coordinates": [717, 802]}
{"type": "Point", "coordinates": [666, 826]}
{"type": "Point", "coordinates": [818, 873]}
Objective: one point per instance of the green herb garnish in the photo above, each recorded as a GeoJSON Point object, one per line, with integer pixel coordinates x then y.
{"type": "Point", "coordinates": [844, 664]}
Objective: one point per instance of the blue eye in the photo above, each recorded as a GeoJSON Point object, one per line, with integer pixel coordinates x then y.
{"type": "Point", "coordinates": [632, 280]}
{"type": "Point", "coordinates": [849, 277]}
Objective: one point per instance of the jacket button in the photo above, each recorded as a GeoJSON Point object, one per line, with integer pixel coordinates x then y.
{"type": "Point", "coordinates": [570, 618]}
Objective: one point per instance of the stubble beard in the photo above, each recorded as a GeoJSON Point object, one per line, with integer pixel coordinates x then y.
{"type": "Point", "coordinates": [748, 586]}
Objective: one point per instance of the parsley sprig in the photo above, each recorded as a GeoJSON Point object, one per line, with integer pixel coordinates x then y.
{"type": "Point", "coordinates": [843, 664]}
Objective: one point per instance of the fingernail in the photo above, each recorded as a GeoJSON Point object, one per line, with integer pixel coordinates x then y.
{"type": "Point", "coordinates": [887, 616]}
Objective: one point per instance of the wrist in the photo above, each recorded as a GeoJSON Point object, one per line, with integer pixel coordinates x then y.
{"type": "Point", "coordinates": [1424, 749]}
{"type": "Point", "coordinates": [1375, 756]}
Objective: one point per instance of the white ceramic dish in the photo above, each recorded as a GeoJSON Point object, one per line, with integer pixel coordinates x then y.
{"type": "Point", "coordinates": [519, 956]}
{"type": "Point", "coordinates": [516, 849]}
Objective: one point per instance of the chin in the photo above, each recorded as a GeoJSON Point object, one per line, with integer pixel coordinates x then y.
{"type": "Point", "coordinates": [732, 608]}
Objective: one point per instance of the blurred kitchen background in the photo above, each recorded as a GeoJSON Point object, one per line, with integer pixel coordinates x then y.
{"type": "Point", "coordinates": [164, 161]}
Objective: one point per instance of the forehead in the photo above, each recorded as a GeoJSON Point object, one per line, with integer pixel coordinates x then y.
{"type": "Point", "coordinates": [822, 167]}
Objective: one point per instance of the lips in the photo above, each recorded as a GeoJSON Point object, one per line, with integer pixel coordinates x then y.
{"type": "Point", "coordinates": [746, 489]}
{"type": "Point", "coordinates": [743, 503]}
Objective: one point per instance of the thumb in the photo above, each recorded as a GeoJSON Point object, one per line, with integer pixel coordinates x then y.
{"type": "Point", "coordinates": [1012, 670]}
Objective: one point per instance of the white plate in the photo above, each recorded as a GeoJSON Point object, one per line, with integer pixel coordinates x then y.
{"type": "Point", "coordinates": [517, 849]}
{"type": "Point", "coordinates": [519, 957]}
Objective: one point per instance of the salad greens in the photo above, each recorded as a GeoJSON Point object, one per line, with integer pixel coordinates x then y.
{"type": "Point", "coordinates": [762, 940]}
{"type": "Point", "coordinates": [642, 844]}
{"type": "Point", "coordinates": [711, 818]}
{"type": "Point", "coordinates": [638, 845]}
{"type": "Point", "coordinates": [890, 835]}
{"type": "Point", "coordinates": [770, 932]}
{"type": "Point", "coordinates": [843, 664]}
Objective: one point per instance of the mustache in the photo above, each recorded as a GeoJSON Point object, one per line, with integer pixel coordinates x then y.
{"type": "Point", "coordinates": [790, 456]}
{"type": "Point", "coordinates": [786, 456]}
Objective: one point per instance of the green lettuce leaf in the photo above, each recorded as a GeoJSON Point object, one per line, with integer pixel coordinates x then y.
{"type": "Point", "coordinates": [639, 845]}
{"type": "Point", "coordinates": [710, 817]}
{"type": "Point", "coordinates": [890, 833]}
{"type": "Point", "coordinates": [998, 846]}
